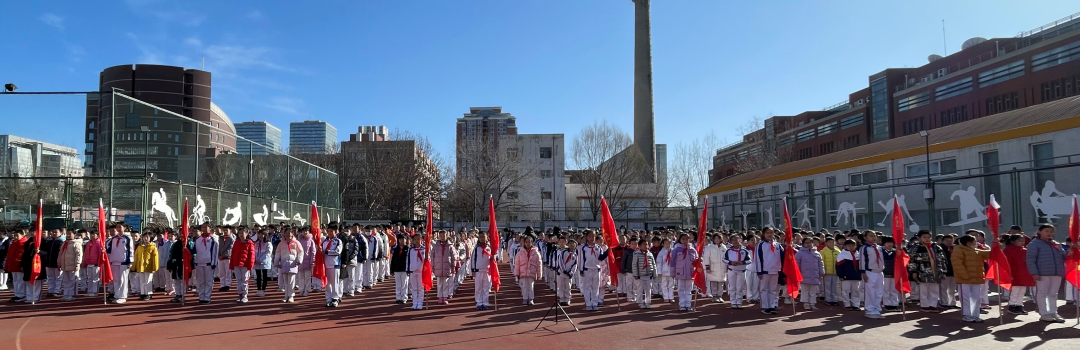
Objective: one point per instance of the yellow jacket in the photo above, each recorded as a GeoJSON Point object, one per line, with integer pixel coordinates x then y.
{"type": "Point", "coordinates": [146, 258]}
{"type": "Point", "coordinates": [828, 256]}
{"type": "Point", "coordinates": [968, 264]}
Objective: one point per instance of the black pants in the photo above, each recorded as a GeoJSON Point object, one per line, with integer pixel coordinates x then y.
{"type": "Point", "coordinates": [260, 279]}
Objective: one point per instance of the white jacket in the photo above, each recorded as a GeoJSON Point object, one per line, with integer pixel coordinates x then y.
{"type": "Point", "coordinates": [713, 258]}
{"type": "Point", "coordinates": [663, 263]}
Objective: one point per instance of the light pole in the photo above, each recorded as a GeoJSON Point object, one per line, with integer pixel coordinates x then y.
{"type": "Point", "coordinates": [928, 193]}
{"type": "Point", "coordinates": [146, 150]}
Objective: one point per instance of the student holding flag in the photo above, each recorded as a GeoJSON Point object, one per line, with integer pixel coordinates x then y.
{"type": "Point", "coordinates": [768, 260]}
{"type": "Point", "coordinates": [873, 267]}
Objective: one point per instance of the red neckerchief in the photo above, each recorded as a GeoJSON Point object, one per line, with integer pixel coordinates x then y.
{"type": "Point", "coordinates": [117, 244]}
{"type": "Point", "coordinates": [930, 250]}
{"type": "Point", "coordinates": [646, 260]}
{"type": "Point", "coordinates": [204, 242]}
{"type": "Point", "coordinates": [486, 251]}
{"type": "Point", "coordinates": [419, 255]}
{"type": "Point", "coordinates": [668, 255]}
{"type": "Point", "coordinates": [64, 248]}
{"type": "Point", "coordinates": [738, 253]}
{"type": "Point", "coordinates": [877, 255]}
{"type": "Point", "coordinates": [1053, 244]}
{"type": "Point", "coordinates": [568, 256]}
{"type": "Point", "coordinates": [771, 245]}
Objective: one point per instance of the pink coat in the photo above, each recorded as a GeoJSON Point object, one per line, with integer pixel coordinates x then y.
{"type": "Point", "coordinates": [527, 264]}
{"type": "Point", "coordinates": [92, 253]}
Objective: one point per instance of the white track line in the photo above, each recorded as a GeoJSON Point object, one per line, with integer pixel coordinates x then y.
{"type": "Point", "coordinates": [18, 335]}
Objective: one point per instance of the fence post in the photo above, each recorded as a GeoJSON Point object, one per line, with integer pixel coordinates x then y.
{"type": "Point", "coordinates": [142, 211]}
{"type": "Point", "coordinates": [1014, 182]}
{"type": "Point", "coordinates": [930, 205]}
{"type": "Point", "coordinates": [870, 209]}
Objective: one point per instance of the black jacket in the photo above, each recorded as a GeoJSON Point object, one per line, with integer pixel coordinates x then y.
{"type": "Point", "coordinates": [27, 262]}
{"type": "Point", "coordinates": [362, 251]}
{"type": "Point", "coordinates": [51, 249]}
{"type": "Point", "coordinates": [399, 257]}
{"type": "Point", "coordinates": [890, 263]}
{"type": "Point", "coordinates": [348, 253]}
{"type": "Point", "coordinates": [176, 259]}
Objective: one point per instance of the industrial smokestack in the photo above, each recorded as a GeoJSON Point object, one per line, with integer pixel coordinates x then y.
{"type": "Point", "coordinates": [644, 136]}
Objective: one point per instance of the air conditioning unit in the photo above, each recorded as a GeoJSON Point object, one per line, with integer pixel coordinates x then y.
{"type": "Point", "coordinates": [942, 72]}
{"type": "Point", "coordinates": [926, 78]}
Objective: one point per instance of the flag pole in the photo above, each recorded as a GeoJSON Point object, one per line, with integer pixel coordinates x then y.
{"type": "Point", "coordinates": [903, 303]}
{"type": "Point", "coordinates": [997, 277]}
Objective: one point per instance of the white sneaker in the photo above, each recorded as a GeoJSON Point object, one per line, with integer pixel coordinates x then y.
{"type": "Point", "coordinates": [120, 301]}
{"type": "Point", "coordinates": [3, 288]}
{"type": "Point", "coordinates": [91, 294]}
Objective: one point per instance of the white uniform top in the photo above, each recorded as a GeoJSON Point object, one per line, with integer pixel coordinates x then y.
{"type": "Point", "coordinates": [481, 258]}
{"type": "Point", "coordinates": [332, 252]}
{"type": "Point", "coordinates": [415, 259]}
{"type": "Point", "coordinates": [590, 257]}
{"type": "Point", "coordinates": [206, 251]}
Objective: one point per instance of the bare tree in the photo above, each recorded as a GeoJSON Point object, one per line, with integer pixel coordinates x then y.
{"type": "Point", "coordinates": [609, 166]}
{"type": "Point", "coordinates": [485, 170]}
{"type": "Point", "coordinates": [688, 169]}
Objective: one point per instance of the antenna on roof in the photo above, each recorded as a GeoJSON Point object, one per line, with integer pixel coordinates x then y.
{"type": "Point", "coordinates": [944, 44]}
{"type": "Point", "coordinates": [203, 68]}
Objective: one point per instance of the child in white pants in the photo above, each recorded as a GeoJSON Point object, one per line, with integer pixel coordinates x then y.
{"type": "Point", "coordinates": [812, 269]}
{"type": "Point", "coordinates": [971, 279]}
{"type": "Point", "coordinates": [664, 273]}
{"type": "Point", "coordinates": [736, 258]}
{"type": "Point", "coordinates": [847, 267]}
{"type": "Point", "coordinates": [643, 272]}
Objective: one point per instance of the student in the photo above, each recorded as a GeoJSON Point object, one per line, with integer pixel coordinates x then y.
{"type": "Point", "coordinates": [1016, 254]}
{"type": "Point", "coordinates": [462, 249]}
{"type": "Point", "coordinates": [349, 267]}
{"type": "Point", "coordinates": [682, 264]}
{"type": "Point", "coordinates": [69, 262]}
{"type": "Point", "coordinates": [206, 260]}
{"type": "Point", "coordinates": [91, 263]}
{"type": "Point", "coordinates": [528, 269]}
{"type": "Point", "coordinates": [417, 254]}
{"type": "Point", "coordinates": [444, 262]}
{"type": "Point", "coordinates": [947, 287]}
{"type": "Point", "coordinates": [812, 268]}
{"type": "Point", "coordinates": [224, 273]}
{"type": "Point", "coordinates": [5, 243]}
{"type": "Point", "coordinates": [831, 282]}
{"type": "Point", "coordinates": [736, 259]}
{"type": "Point", "coordinates": [768, 262]}
{"type": "Point", "coordinates": [241, 262]}
{"type": "Point", "coordinates": [891, 298]}
{"type": "Point", "coordinates": [175, 266]}
{"type": "Point", "coordinates": [303, 277]}
{"type": "Point", "coordinates": [619, 253]}
{"type": "Point", "coordinates": [120, 248]}
{"type": "Point", "coordinates": [481, 258]}
{"type": "Point", "coordinates": [144, 266]}
{"type": "Point", "coordinates": [399, 260]}
{"type": "Point", "coordinates": [264, 261]}
{"type": "Point", "coordinates": [50, 247]}
{"type": "Point", "coordinates": [667, 275]}
{"type": "Point", "coordinates": [847, 268]}
{"type": "Point", "coordinates": [644, 271]}
{"type": "Point", "coordinates": [288, 256]}
{"type": "Point", "coordinates": [1046, 264]}
{"type": "Point", "coordinates": [591, 256]}
{"type": "Point", "coordinates": [567, 265]}
{"type": "Point", "coordinates": [32, 289]}
{"type": "Point", "coordinates": [162, 280]}
{"type": "Point", "coordinates": [715, 268]}
{"type": "Point", "coordinates": [331, 249]}
{"type": "Point", "coordinates": [872, 266]}
{"type": "Point", "coordinates": [753, 282]}
{"type": "Point", "coordinates": [969, 272]}
{"type": "Point", "coordinates": [927, 266]}
{"type": "Point", "coordinates": [363, 254]}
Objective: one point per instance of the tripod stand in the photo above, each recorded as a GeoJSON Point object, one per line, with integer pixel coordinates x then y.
{"type": "Point", "coordinates": [555, 305]}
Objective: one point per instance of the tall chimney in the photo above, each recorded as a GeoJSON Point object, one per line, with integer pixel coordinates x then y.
{"type": "Point", "coordinates": [644, 136]}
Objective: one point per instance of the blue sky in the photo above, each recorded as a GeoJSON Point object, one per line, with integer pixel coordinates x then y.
{"type": "Point", "coordinates": [557, 65]}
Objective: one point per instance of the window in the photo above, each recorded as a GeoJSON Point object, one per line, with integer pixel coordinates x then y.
{"type": "Point", "coordinates": [1042, 155]}
{"type": "Point", "coordinates": [791, 189]}
{"type": "Point", "coordinates": [806, 153]}
{"type": "Point", "coordinates": [545, 152]}
{"type": "Point", "coordinates": [1055, 57]}
{"type": "Point", "coordinates": [810, 192]}
{"type": "Point", "coordinates": [869, 178]}
{"type": "Point", "coordinates": [827, 129]}
{"type": "Point", "coordinates": [155, 122]}
{"type": "Point", "coordinates": [1000, 74]}
{"type": "Point", "coordinates": [545, 174]}
{"type": "Point", "coordinates": [937, 167]}
{"type": "Point", "coordinates": [1061, 88]}
{"type": "Point", "coordinates": [953, 115]}
{"type": "Point", "coordinates": [512, 154]}
{"type": "Point", "coordinates": [787, 141]}
{"type": "Point", "coordinates": [991, 184]}
{"type": "Point", "coordinates": [949, 216]}
{"type": "Point", "coordinates": [879, 107]}
{"type": "Point", "coordinates": [1002, 103]}
{"type": "Point", "coordinates": [545, 194]}
{"type": "Point", "coordinates": [155, 137]}
{"type": "Point", "coordinates": [826, 148]}
{"type": "Point", "coordinates": [830, 201]}
{"type": "Point", "coordinates": [91, 126]}
{"type": "Point", "coordinates": [90, 136]}
{"type": "Point", "coordinates": [851, 141]}
{"type": "Point", "coordinates": [851, 121]}
{"type": "Point", "coordinates": [805, 135]}
{"type": "Point", "coordinates": [755, 193]}
{"type": "Point", "coordinates": [512, 195]}
{"type": "Point", "coordinates": [731, 197]}
{"type": "Point", "coordinates": [952, 89]}
{"type": "Point", "coordinates": [775, 190]}
{"type": "Point", "coordinates": [914, 125]}
{"type": "Point", "coordinates": [917, 100]}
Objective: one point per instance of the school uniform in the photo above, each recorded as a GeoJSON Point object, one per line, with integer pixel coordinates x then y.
{"type": "Point", "coordinates": [372, 262]}
{"type": "Point", "coordinates": [384, 257]}
{"type": "Point", "coordinates": [33, 288]}
{"type": "Point", "coordinates": [736, 273]}
{"type": "Point", "coordinates": [399, 256]}
{"type": "Point", "coordinates": [768, 261]}
{"type": "Point", "coordinates": [263, 264]}
{"type": "Point", "coordinates": [462, 268]}
{"type": "Point", "coordinates": [241, 262]}
{"type": "Point", "coordinates": [206, 260]}
{"type": "Point", "coordinates": [947, 289]}
{"type": "Point", "coordinates": [4, 244]}
{"type": "Point", "coordinates": [444, 260]}
{"type": "Point", "coordinates": [1046, 259]}
{"type": "Point", "coordinates": [481, 257]}
{"type": "Point", "coordinates": [120, 249]}
{"type": "Point", "coordinates": [566, 262]}
{"type": "Point", "coordinates": [590, 260]}
{"type": "Point", "coordinates": [13, 264]}
{"type": "Point", "coordinates": [891, 297]}
{"type": "Point", "coordinates": [551, 273]}
{"type": "Point", "coordinates": [224, 274]}
{"type": "Point", "coordinates": [626, 275]}
{"type": "Point", "coordinates": [666, 275]}
{"type": "Point", "coordinates": [715, 270]}
{"type": "Point", "coordinates": [161, 276]}
{"type": "Point", "coordinates": [619, 254]}
{"type": "Point", "coordinates": [644, 271]}
{"type": "Point", "coordinates": [175, 266]}
{"type": "Point", "coordinates": [331, 248]}
{"type": "Point", "coordinates": [847, 267]}
{"type": "Point", "coordinates": [350, 266]}
{"type": "Point", "coordinates": [415, 268]}
{"type": "Point", "coordinates": [873, 265]}
{"type": "Point", "coordinates": [753, 283]}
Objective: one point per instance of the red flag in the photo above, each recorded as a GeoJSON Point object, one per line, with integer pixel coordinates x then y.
{"type": "Point", "coordinates": [900, 271]}
{"type": "Point", "coordinates": [1072, 261]}
{"type": "Point", "coordinates": [699, 268]}
{"type": "Point", "coordinates": [427, 274]}
{"type": "Point", "coordinates": [185, 230]}
{"type": "Point", "coordinates": [998, 262]}
{"type": "Point", "coordinates": [791, 268]}
{"type": "Point", "coordinates": [104, 266]}
{"type": "Point", "coordinates": [611, 237]}
{"type": "Point", "coordinates": [35, 266]}
{"type": "Point", "coordinates": [319, 266]}
{"type": "Point", "coordinates": [493, 237]}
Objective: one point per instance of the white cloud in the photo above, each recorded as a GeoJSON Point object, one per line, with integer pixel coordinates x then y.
{"type": "Point", "coordinates": [193, 41]}
{"type": "Point", "coordinates": [76, 52]}
{"type": "Point", "coordinates": [52, 20]}
{"type": "Point", "coordinates": [230, 57]}
{"type": "Point", "coordinates": [254, 15]}
{"type": "Point", "coordinates": [286, 104]}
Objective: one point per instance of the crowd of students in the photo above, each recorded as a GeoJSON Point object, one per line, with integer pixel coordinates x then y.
{"type": "Point", "coordinates": [853, 268]}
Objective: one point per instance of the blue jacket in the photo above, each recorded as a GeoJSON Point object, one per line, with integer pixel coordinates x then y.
{"type": "Point", "coordinates": [848, 270]}
{"type": "Point", "coordinates": [1045, 260]}
{"type": "Point", "coordinates": [264, 254]}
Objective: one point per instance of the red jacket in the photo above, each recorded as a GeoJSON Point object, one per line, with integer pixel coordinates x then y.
{"type": "Point", "coordinates": [14, 255]}
{"type": "Point", "coordinates": [243, 255]}
{"type": "Point", "coordinates": [1017, 257]}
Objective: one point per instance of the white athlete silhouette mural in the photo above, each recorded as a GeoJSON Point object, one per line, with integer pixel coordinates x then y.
{"type": "Point", "coordinates": [232, 215]}
{"type": "Point", "coordinates": [280, 214]}
{"type": "Point", "coordinates": [160, 202]}
{"type": "Point", "coordinates": [804, 213]}
{"type": "Point", "coordinates": [260, 218]}
{"type": "Point", "coordinates": [888, 206]}
{"type": "Point", "coordinates": [969, 205]}
{"type": "Point", "coordinates": [198, 213]}
{"type": "Point", "coordinates": [769, 217]}
{"type": "Point", "coordinates": [296, 217]}
{"type": "Point", "coordinates": [745, 224]}
{"type": "Point", "coordinates": [847, 212]}
{"type": "Point", "coordinates": [723, 220]}
{"type": "Point", "coordinates": [1051, 203]}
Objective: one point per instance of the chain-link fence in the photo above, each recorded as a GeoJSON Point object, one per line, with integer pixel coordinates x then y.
{"type": "Point", "coordinates": [1030, 194]}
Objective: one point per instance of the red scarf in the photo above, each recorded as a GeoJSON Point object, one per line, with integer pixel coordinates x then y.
{"type": "Point", "coordinates": [771, 245]}
{"type": "Point", "coordinates": [646, 261]}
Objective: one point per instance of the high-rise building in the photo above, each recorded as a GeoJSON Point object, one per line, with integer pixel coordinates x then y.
{"type": "Point", "coordinates": [117, 145]}
{"type": "Point", "coordinates": [261, 133]}
{"type": "Point", "coordinates": [312, 137]}
{"type": "Point", "coordinates": [23, 157]}
{"type": "Point", "coordinates": [369, 194]}
{"type": "Point", "coordinates": [480, 129]}
{"type": "Point", "coordinates": [539, 185]}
